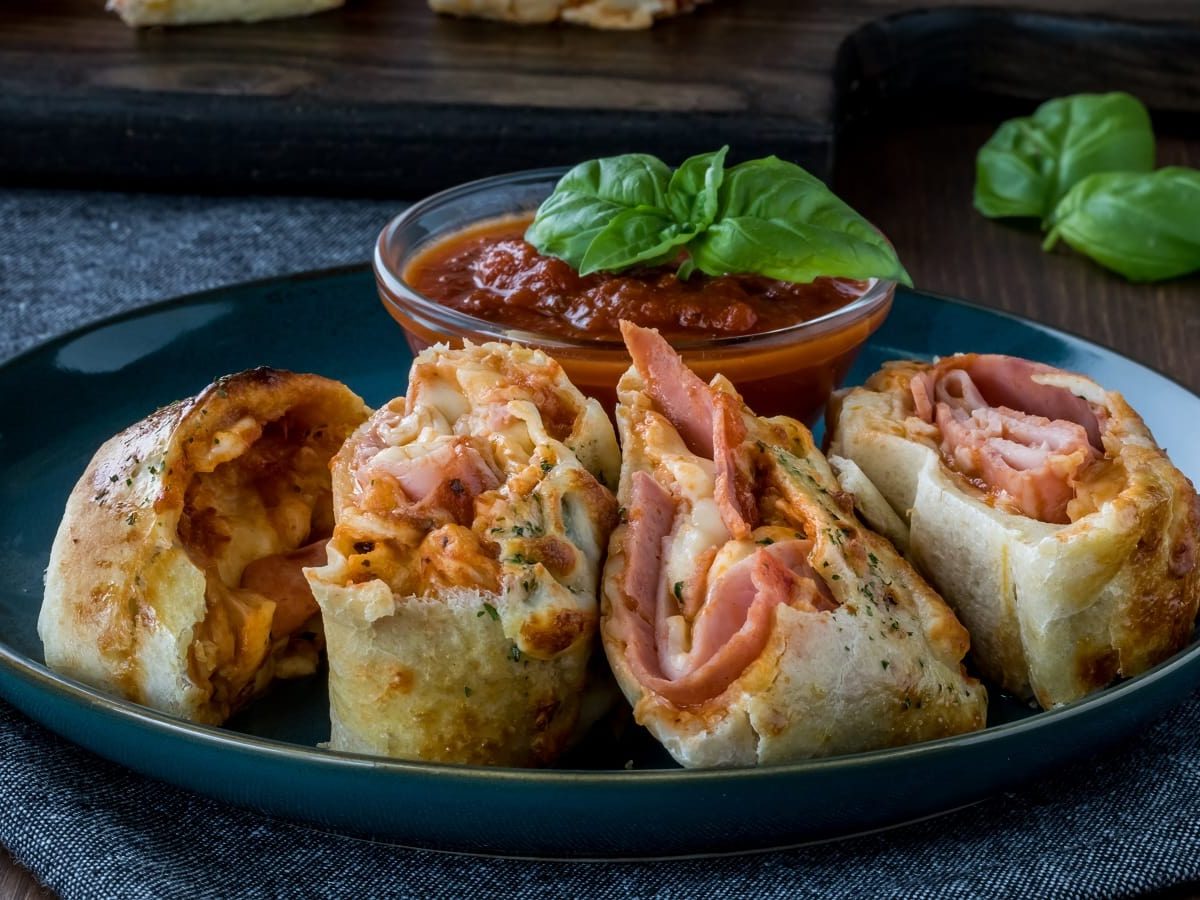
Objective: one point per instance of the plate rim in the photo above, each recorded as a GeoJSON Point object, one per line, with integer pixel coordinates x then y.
{"type": "Point", "coordinates": [67, 688]}
{"type": "Point", "coordinates": [42, 678]}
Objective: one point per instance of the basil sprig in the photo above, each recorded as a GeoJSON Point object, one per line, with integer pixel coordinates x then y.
{"type": "Point", "coordinates": [1084, 166]}
{"type": "Point", "coordinates": [1030, 163]}
{"type": "Point", "coordinates": [764, 216]}
{"type": "Point", "coordinates": [1144, 226]}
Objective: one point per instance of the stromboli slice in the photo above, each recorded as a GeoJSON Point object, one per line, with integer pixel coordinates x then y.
{"type": "Point", "coordinates": [459, 597]}
{"type": "Point", "coordinates": [174, 579]}
{"type": "Point", "coordinates": [747, 615]}
{"type": "Point", "coordinates": [1041, 507]}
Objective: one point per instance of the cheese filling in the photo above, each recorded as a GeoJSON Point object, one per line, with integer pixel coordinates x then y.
{"type": "Point", "coordinates": [256, 513]}
{"type": "Point", "coordinates": [467, 483]}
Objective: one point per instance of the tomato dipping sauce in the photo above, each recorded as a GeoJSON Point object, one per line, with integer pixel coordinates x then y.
{"type": "Point", "coordinates": [489, 271]}
{"type": "Point", "coordinates": [784, 346]}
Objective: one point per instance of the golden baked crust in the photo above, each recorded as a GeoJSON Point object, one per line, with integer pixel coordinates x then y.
{"type": "Point", "coordinates": [875, 663]}
{"type": "Point", "coordinates": [606, 14]}
{"type": "Point", "coordinates": [143, 595]}
{"type": "Point", "coordinates": [1055, 611]}
{"type": "Point", "coordinates": [459, 599]}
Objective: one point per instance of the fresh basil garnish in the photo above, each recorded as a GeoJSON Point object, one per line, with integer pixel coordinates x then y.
{"type": "Point", "coordinates": [693, 192]}
{"type": "Point", "coordinates": [777, 220]}
{"type": "Point", "coordinates": [1146, 226]}
{"type": "Point", "coordinates": [589, 196]}
{"type": "Point", "coordinates": [1030, 163]}
{"type": "Point", "coordinates": [642, 235]}
{"type": "Point", "coordinates": [765, 216]}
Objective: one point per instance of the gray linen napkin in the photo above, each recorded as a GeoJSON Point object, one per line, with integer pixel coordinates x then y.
{"type": "Point", "coordinates": [1123, 822]}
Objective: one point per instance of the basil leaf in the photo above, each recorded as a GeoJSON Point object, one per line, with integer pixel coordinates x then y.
{"type": "Point", "coordinates": [692, 193]}
{"type": "Point", "coordinates": [1144, 226]}
{"type": "Point", "coordinates": [589, 196]}
{"type": "Point", "coordinates": [767, 188]}
{"type": "Point", "coordinates": [777, 220]}
{"type": "Point", "coordinates": [764, 216]}
{"type": "Point", "coordinates": [1030, 163]}
{"type": "Point", "coordinates": [792, 252]}
{"type": "Point", "coordinates": [633, 236]}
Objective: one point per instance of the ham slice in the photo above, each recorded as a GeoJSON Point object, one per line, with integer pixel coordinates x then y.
{"type": "Point", "coordinates": [1027, 441]}
{"type": "Point", "coordinates": [446, 477]}
{"type": "Point", "coordinates": [281, 578]}
{"type": "Point", "coordinates": [778, 573]}
{"type": "Point", "coordinates": [676, 390]}
{"type": "Point", "coordinates": [688, 642]}
{"type": "Point", "coordinates": [651, 516]}
{"type": "Point", "coordinates": [708, 420]}
{"type": "Point", "coordinates": [456, 460]}
{"type": "Point", "coordinates": [734, 488]}
{"type": "Point", "coordinates": [732, 628]}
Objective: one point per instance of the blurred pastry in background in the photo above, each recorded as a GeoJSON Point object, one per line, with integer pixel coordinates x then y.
{"type": "Point", "coordinates": [615, 14]}
{"type": "Point", "coordinates": [197, 12]}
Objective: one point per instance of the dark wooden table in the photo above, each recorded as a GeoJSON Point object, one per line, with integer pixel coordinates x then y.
{"type": "Point", "coordinates": [913, 179]}
{"type": "Point", "coordinates": [381, 96]}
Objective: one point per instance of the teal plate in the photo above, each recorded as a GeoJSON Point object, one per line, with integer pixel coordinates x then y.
{"type": "Point", "coordinates": [63, 399]}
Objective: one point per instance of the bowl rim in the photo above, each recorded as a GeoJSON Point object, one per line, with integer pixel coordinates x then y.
{"type": "Point", "coordinates": [399, 296]}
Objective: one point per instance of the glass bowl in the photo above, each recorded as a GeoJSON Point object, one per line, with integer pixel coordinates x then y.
{"type": "Point", "coordinates": [787, 371]}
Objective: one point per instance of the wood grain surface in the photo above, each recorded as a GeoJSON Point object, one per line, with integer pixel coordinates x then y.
{"type": "Point", "coordinates": [383, 96]}
{"type": "Point", "coordinates": [17, 884]}
{"type": "Point", "coordinates": [914, 181]}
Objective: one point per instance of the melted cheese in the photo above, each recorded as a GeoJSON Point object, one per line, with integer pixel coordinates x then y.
{"type": "Point", "coordinates": [674, 662]}
{"type": "Point", "coordinates": [440, 398]}
{"type": "Point", "coordinates": [257, 501]}
{"type": "Point", "coordinates": [699, 549]}
{"type": "Point", "coordinates": [727, 557]}
{"type": "Point", "coordinates": [698, 526]}
{"type": "Point", "coordinates": [232, 643]}
{"type": "Point", "coordinates": [230, 443]}
{"type": "Point", "coordinates": [534, 538]}
{"type": "Point", "coordinates": [696, 531]}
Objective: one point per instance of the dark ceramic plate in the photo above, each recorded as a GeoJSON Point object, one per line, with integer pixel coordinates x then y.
{"type": "Point", "coordinates": [63, 399]}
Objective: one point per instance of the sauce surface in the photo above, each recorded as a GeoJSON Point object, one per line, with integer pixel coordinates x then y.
{"type": "Point", "coordinates": [490, 272]}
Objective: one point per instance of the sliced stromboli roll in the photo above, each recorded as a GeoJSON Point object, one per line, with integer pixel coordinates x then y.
{"type": "Point", "coordinates": [459, 597]}
{"type": "Point", "coordinates": [747, 615]}
{"type": "Point", "coordinates": [1041, 507]}
{"type": "Point", "coordinates": [175, 578]}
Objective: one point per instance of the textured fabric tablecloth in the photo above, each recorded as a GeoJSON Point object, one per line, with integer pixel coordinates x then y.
{"type": "Point", "coordinates": [1120, 823]}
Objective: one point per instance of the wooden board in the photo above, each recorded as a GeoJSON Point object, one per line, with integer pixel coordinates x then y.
{"type": "Point", "coordinates": [383, 97]}
{"type": "Point", "coordinates": [17, 884]}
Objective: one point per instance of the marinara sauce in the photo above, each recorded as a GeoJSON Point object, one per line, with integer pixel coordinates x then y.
{"type": "Point", "coordinates": [491, 272]}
